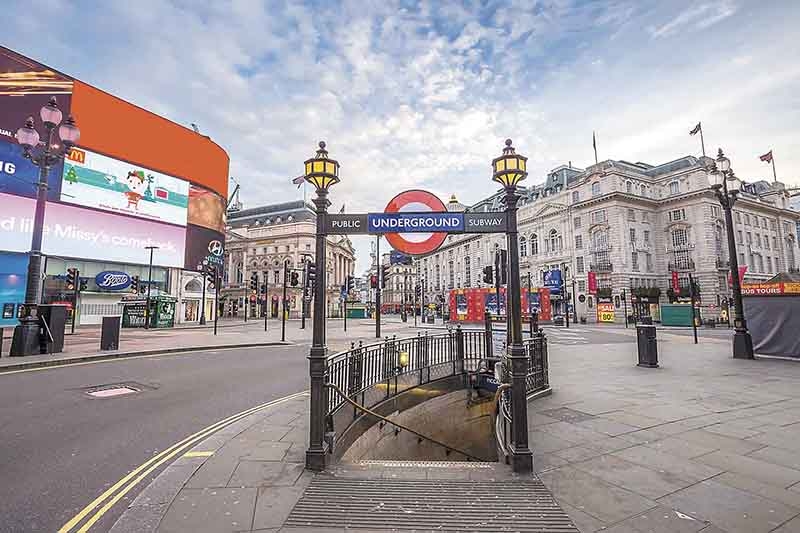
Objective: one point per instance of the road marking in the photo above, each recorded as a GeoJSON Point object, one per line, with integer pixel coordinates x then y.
{"type": "Point", "coordinates": [198, 454]}
{"type": "Point", "coordinates": [143, 470]}
{"type": "Point", "coordinates": [148, 356]}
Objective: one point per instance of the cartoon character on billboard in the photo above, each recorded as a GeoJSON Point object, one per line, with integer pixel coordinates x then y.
{"type": "Point", "coordinates": [135, 183]}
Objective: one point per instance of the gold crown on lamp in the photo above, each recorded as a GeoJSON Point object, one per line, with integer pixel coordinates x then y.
{"type": "Point", "coordinates": [322, 172]}
{"type": "Point", "coordinates": [510, 168]}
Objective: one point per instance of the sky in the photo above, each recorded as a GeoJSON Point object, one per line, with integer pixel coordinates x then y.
{"type": "Point", "coordinates": [422, 94]}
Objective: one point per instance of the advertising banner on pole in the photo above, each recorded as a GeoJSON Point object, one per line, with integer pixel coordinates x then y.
{"type": "Point", "coordinates": [552, 280]}
{"type": "Point", "coordinates": [592, 279]}
{"type": "Point", "coordinates": [100, 182]}
{"type": "Point", "coordinates": [676, 286]}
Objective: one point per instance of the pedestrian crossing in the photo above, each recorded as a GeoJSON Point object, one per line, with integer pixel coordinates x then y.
{"type": "Point", "coordinates": [558, 335]}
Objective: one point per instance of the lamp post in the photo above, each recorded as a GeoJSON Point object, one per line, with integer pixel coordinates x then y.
{"type": "Point", "coordinates": [149, 284]}
{"type": "Point", "coordinates": [726, 188]}
{"type": "Point", "coordinates": [44, 154]}
{"type": "Point", "coordinates": [508, 170]}
{"type": "Point", "coordinates": [202, 268]}
{"type": "Point", "coordinates": [321, 172]}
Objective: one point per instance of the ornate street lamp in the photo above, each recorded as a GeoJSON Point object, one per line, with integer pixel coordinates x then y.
{"type": "Point", "coordinates": [508, 170]}
{"type": "Point", "coordinates": [44, 154]}
{"type": "Point", "coordinates": [726, 187]}
{"type": "Point", "coordinates": [322, 173]}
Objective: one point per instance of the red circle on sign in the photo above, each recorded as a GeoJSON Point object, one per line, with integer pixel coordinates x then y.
{"type": "Point", "coordinates": [415, 201]}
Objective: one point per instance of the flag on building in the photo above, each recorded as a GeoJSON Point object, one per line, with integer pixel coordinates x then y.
{"type": "Point", "coordinates": [594, 145]}
{"type": "Point", "coordinates": [767, 158]}
{"type": "Point", "coordinates": [299, 181]}
{"type": "Point", "coordinates": [696, 129]}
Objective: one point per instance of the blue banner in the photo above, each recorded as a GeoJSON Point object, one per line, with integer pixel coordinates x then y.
{"type": "Point", "coordinates": [415, 222]}
{"type": "Point", "coordinates": [19, 176]}
{"type": "Point", "coordinates": [13, 277]}
{"type": "Point", "coordinates": [552, 280]}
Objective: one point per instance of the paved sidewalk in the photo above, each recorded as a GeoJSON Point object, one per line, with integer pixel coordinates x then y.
{"type": "Point", "coordinates": [703, 443]}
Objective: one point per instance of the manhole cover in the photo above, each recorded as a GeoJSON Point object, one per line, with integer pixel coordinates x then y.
{"type": "Point", "coordinates": [111, 391]}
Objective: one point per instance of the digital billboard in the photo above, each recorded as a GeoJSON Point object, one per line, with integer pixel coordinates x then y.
{"type": "Point", "coordinates": [100, 182]}
{"type": "Point", "coordinates": [19, 176]}
{"type": "Point", "coordinates": [206, 208]}
{"type": "Point", "coordinates": [26, 86]}
{"type": "Point", "coordinates": [203, 244]}
{"type": "Point", "coordinates": [87, 234]}
{"type": "Point", "coordinates": [13, 275]}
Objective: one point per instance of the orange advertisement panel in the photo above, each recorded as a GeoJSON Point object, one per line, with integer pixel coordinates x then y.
{"type": "Point", "coordinates": [122, 130]}
{"type": "Point", "coordinates": [767, 289]}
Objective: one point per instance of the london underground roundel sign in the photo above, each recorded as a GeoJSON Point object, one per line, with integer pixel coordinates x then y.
{"type": "Point", "coordinates": [416, 201]}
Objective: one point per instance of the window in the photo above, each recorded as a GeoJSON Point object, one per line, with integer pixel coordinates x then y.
{"type": "Point", "coordinates": [760, 263]}
{"type": "Point", "coordinates": [577, 222]}
{"type": "Point", "coordinates": [741, 259]}
{"type": "Point", "coordinates": [755, 221]}
{"type": "Point", "coordinates": [628, 187]}
{"type": "Point", "coordinates": [766, 242]}
{"type": "Point", "coordinates": [674, 187]}
{"type": "Point", "coordinates": [738, 218]}
{"type": "Point", "coordinates": [555, 241]}
{"type": "Point", "coordinates": [582, 286]}
{"type": "Point", "coordinates": [438, 278]}
{"type": "Point", "coordinates": [598, 216]}
{"type": "Point", "coordinates": [758, 240]}
{"type": "Point", "coordinates": [635, 261]}
{"type": "Point", "coordinates": [715, 210]}
{"type": "Point", "coordinates": [649, 262]}
{"type": "Point", "coordinates": [579, 264]}
{"type": "Point", "coordinates": [647, 236]}
{"type": "Point", "coordinates": [769, 264]}
{"type": "Point", "coordinates": [467, 272]}
{"type": "Point", "coordinates": [749, 238]}
{"type": "Point", "coordinates": [739, 237]}
{"type": "Point", "coordinates": [631, 214]}
{"type": "Point", "coordinates": [450, 274]}
{"type": "Point", "coordinates": [534, 244]}
{"type": "Point", "coordinates": [276, 277]}
{"type": "Point", "coordinates": [746, 219]}
{"type": "Point", "coordinates": [773, 226]}
{"type": "Point", "coordinates": [774, 242]}
{"type": "Point", "coordinates": [595, 188]}
{"type": "Point", "coordinates": [677, 214]}
{"type": "Point", "coordinates": [523, 247]}
{"type": "Point", "coordinates": [308, 246]}
{"type": "Point", "coordinates": [576, 197]}
{"type": "Point", "coordinates": [633, 234]}
{"type": "Point", "coordinates": [680, 238]}
{"type": "Point", "coordinates": [645, 216]}
{"type": "Point", "coordinates": [579, 242]}
{"type": "Point", "coordinates": [600, 240]}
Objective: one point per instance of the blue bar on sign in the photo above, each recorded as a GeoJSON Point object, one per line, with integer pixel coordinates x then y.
{"type": "Point", "coordinates": [415, 222]}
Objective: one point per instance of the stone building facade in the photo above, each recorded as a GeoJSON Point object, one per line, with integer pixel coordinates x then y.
{"type": "Point", "coordinates": [261, 240]}
{"type": "Point", "coordinates": [632, 225]}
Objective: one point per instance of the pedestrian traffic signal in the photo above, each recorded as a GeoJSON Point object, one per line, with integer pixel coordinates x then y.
{"type": "Point", "coordinates": [294, 278]}
{"type": "Point", "coordinates": [82, 285]}
{"type": "Point", "coordinates": [72, 278]}
{"type": "Point", "coordinates": [384, 275]}
{"type": "Point", "coordinates": [487, 275]}
{"type": "Point", "coordinates": [254, 282]}
{"type": "Point", "coordinates": [311, 273]}
{"type": "Point", "coordinates": [373, 281]}
{"type": "Point", "coordinates": [135, 284]}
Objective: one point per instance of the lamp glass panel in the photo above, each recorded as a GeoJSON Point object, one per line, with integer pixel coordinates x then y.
{"type": "Point", "coordinates": [319, 166]}
{"type": "Point", "coordinates": [330, 168]}
{"type": "Point", "coordinates": [512, 162]}
{"type": "Point", "coordinates": [308, 168]}
{"type": "Point", "coordinates": [523, 164]}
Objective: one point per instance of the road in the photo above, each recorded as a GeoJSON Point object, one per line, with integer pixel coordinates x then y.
{"type": "Point", "coordinates": [61, 448]}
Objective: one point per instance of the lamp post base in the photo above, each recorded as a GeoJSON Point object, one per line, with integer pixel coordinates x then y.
{"type": "Point", "coordinates": [521, 460]}
{"type": "Point", "coordinates": [316, 459]}
{"type": "Point", "coordinates": [26, 339]}
{"type": "Point", "coordinates": [743, 345]}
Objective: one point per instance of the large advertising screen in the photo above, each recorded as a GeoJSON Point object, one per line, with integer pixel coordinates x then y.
{"type": "Point", "coordinates": [100, 182]}
{"type": "Point", "coordinates": [203, 244]}
{"type": "Point", "coordinates": [87, 234]}
{"type": "Point", "coordinates": [19, 176]}
{"type": "Point", "coordinates": [206, 208]}
{"type": "Point", "coordinates": [13, 275]}
{"type": "Point", "coordinates": [25, 86]}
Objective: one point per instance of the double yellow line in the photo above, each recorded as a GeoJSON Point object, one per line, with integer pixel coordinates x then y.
{"type": "Point", "coordinates": [124, 485]}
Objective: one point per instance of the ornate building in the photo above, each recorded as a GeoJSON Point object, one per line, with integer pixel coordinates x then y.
{"type": "Point", "coordinates": [262, 240]}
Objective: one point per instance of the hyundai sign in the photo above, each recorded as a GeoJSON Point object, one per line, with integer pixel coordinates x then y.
{"type": "Point", "coordinates": [112, 280]}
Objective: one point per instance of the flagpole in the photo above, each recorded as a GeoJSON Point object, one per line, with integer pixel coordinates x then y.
{"type": "Point", "coordinates": [594, 145]}
{"type": "Point", "coordinates": [774, 175]}
{"type": "Point", "coordinates": [702, 142]}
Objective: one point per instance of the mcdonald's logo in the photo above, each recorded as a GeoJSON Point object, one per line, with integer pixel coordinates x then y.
{"type": "Point", "coordinates": [77, 155]}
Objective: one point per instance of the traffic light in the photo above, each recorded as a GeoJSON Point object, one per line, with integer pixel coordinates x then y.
{"type": "Point", "coordinates": [384, 275]}
{"type": "Point", "coordinates": [263, 288]}
{"type": "Point", "coordinates": [82, 285]}
{"type": "Point", "coordinates": [487, 275]}
{"type": "Point", "coordinates": [210, 275]}
{"type": "Point", "coordinates": [350, 283]}
{"type": "Point", "coordinates": [294, 278]}
{"type": "Point", "coordinates": [418, 291]}
{"type": "Point", "coordinates": [501, 264]}
{"type": "Point", "coordinates": [135, 284]}
{"type": "Point", "coordinates": [254, 282]}
{"type": "Point", "coordinates": [373, 281]}
{"type": "Point", "coordinates": [72, 278]}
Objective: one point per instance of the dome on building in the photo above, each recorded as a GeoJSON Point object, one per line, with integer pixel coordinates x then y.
{"type": "Point", "coordinates": [454, 205]}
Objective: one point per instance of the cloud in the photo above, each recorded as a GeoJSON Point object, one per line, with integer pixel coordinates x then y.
{"type": "Point", "coordinates": [422, 94]}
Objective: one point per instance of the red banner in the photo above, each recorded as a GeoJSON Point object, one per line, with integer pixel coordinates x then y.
{"type": "Point", "coordinates": [676, 286]}
{"type": "Point", "coordinates": [592, 277]}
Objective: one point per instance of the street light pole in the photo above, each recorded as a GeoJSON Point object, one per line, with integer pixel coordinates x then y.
{"type": "Point", "coordinates": [742, 341]}
{"type": "Point", "coordinates": [509, 170]}
{"type": "Point", "coordinates": [283, 306]}
{"type": "Point", "coordinates": [26, 333]}
{"type": "Point", "coordinates": [149, 284]}
{"type": "Point", "coordinates": [321, 172]}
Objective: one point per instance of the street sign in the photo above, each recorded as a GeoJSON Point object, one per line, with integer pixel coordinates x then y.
{"type": "Point", "coordinates": [346, 224]}
{"type": "Point", "coordinates": [485, 222]}
{"type": "Point", "coordinates": [416, 240]}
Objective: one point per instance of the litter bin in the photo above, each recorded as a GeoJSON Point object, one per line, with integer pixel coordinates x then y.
{"type": "Point", "coordinates": [431, 320]}
{"type": "Point", "coordinates": [647, 346]}
{"type": "Point", "coordinates": [54, 318]}
{"type": "Point", "coordinates": [109, 333]}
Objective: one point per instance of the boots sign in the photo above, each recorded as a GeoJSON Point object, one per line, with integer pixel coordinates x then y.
{"type": "Point", "coordinates": [112, 280]}
{"type": "Point", "coordinates": [415, 222]}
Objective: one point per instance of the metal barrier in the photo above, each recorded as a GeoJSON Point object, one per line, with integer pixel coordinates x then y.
{"type": "Point", "coordinates": [373, 373]}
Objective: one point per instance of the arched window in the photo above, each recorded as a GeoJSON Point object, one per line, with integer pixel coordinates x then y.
{"type": "Point", "coordinates": [555, 241]}
{"type": "Point", "coordinates": [680, 238]}
{"type": "Point", "coordinates": [595, 188]}
{"type": "Point", "coordinates": [534, 244]}
{"type": "Point", "coordinates": [628, 187]}
{"type": "Point", "coordinates": [600, 240]}
{"type": "Point", "coordinates": [523, 247]}
{"type": "Point", "coordinates": [239, 274]}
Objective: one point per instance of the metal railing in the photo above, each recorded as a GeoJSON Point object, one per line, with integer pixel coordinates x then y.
{"type": "Point", "coordinates": [373, 373]}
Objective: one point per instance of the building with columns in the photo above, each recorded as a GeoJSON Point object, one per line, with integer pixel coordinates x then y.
{"type": "Point", "coordinates": [632, 225]}
{"type": "Point", "coordinates": [262, 240]}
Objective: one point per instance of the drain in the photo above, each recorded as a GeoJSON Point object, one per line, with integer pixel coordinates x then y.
{"type": "Point", "coordinates": [111, 391]}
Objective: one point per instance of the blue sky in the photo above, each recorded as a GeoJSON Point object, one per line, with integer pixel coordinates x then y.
{"type": "Point", "coordinates": [422, 94]}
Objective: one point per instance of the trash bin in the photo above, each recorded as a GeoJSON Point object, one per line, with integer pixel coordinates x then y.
{"type": "Point", "coordinates": [647, 345]}
{"type": "Point", "coordinates": [54, 321]}
{"type": "Point", "coordinates": [430, 319]}
{"type": "Point", "coordinates": [109, 333]}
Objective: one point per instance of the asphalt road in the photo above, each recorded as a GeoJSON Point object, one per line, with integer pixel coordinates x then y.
{"type": "Point", "coordinates": [61, 448]}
